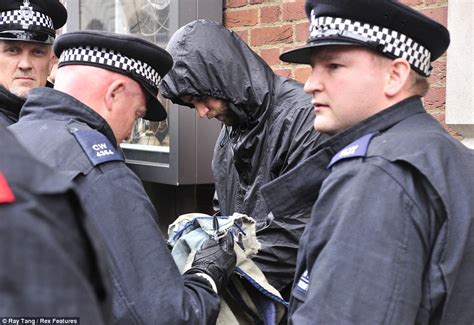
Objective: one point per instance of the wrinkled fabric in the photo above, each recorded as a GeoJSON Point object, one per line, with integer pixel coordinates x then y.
{"type": "Point", "coordinates": [275, 132]}
{"type": "Point", "coordinates": [187, 233]}
{"type": "Point", "coordinates": [147, 286]}
{"type": "Point", "coordinates": [53, 264]}
{"type": "Point", "coordinates": [391, 234]}
{"type": "Point", "coordinates": [248, 298]}
{"type": "Point", "coordinates": [10, 106]}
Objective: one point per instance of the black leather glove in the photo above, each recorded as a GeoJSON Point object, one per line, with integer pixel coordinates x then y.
{"type": "Point", "coordinates": [216, 259]}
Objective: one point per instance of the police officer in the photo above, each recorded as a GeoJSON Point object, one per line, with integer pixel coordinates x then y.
{"type": "Point", "coordinates": [104, 82]}
{"type": "Point", "coordinates": [391, 232]}
{"type": "Point", "coordinates": [27, 30]}
{"type": "Point", "coordinates": [52, 262]}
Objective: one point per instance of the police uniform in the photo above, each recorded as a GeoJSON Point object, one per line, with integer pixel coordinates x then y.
{"type": "Point", "coordinates": [71, 137]}
{"type": "Point", "coordinates": [10, 106]}
{"type": "Point", "coordinates": [52, 264]}
{"type": "Point", "coordinates": [391, 233]}
{"type": "Point", "coordinates": [26, 21]}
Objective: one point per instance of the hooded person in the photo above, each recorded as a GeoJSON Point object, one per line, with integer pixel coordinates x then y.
{"type": "Point", "coordinates": [27, 32]}
{"type": "Point", "coordinates": [267, 130]}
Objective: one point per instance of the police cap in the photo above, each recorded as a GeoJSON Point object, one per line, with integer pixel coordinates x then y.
{"type": "Point", "coordinates": [387, 26]}
{"type": "Point", "coordinates": [142, 61]}
{"type": "Point", "coordinates": [31, 20]}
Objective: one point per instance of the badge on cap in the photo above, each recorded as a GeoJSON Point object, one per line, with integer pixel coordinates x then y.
{"type": "Point", "coordinates": [26, 12]}
{"type": "Point", "coordinates": [6, 193]}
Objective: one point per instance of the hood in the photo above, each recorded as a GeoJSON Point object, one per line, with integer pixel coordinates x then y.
{"type": "Point", "coordinates": [211, 60]}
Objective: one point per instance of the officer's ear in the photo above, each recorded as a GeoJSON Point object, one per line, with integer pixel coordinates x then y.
{"type": "Point", "coordinates": [114, 93]}
{"type": "Point", "coordinates": [397, 77]}
{"type": "Point", "coordinates": [52, 60]}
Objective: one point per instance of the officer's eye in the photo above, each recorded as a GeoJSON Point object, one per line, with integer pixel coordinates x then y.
{"type": "Point", "coordinates": [334, 66]}
{"type": "Point", "coordinates": [12, 50]}
{"type": "Point", "coordinates": [39, 52]}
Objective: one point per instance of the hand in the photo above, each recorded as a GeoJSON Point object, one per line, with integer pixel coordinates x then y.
{"type": "Point", "coordinates": [216, 259]}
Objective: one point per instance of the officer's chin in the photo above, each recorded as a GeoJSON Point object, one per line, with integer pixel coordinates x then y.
{"type": "Point", "coordinates": [21, 91]}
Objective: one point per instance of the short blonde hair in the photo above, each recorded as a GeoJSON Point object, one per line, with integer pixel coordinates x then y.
{"type": "Point", "coordinates": [419, 85]}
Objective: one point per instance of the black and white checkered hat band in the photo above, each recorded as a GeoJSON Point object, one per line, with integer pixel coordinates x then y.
{"type": "Point", "coordinates": [115, 60]}
{"type": "Point", "coordinates": [31, 18]}
{"type": "Point", "coordinates": [392, 42]}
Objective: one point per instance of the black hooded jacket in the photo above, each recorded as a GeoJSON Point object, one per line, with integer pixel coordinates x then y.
{"type": "Point", "coordinates": [275, 131]}
{"type": "Point", "coordinates": [10, 106]}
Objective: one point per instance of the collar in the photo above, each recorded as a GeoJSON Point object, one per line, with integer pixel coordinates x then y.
{"type": "Point", "coordinates": [10, 104]}
{"type": "Point", "coordinates": [48, 103]}
{"type": "Point", "coordinates": [300, 186]}
{"type": "Point", "coordinates": [376, 123]}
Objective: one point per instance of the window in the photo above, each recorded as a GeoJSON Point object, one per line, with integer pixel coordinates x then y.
{"type": "Point", "coordinates": [179, 149]}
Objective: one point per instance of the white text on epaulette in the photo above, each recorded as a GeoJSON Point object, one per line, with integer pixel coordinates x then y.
{"type": "Point", "coordinates": [101, 150]}
{"type": "Point", "coordinates": [349, 151]}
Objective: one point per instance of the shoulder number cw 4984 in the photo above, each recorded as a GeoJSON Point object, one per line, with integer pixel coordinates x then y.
{"type": "Point", "coordinates": [101, 150]}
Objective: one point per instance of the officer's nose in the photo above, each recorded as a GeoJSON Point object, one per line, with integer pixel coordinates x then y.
{"type": "Point", "coordinates": [313, 83]}
{"type": "Point", "coordinates": [25, 62]}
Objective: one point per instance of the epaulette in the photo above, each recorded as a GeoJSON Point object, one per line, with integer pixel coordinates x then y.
{"type": "Point", "coordinates": [356, 149]}
{"type": "Point", "coordinates": [6, 193]}
{"type": "Point", "coordinates": [303, 283]}
{"type": "Point", "coordinates": [97, 147]}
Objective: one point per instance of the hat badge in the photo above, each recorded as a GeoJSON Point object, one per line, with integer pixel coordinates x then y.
{"type": "Point", "coordinates": [26, 12]}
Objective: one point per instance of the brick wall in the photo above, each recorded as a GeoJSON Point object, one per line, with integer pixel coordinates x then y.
{"type": "Point", "coordinates": [271, 27]}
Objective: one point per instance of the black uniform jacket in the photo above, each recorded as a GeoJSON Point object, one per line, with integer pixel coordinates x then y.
{"type": "Point", "coordinates": [52, 261]}
{"type": "Point", "coordinates": [275, 132]}
{"type": "Point", "coordinates": [391, 234]}
{"type": "Point", "coordinates": [10, 106]}
{"type": "Point", "coordinates": [148, 288]}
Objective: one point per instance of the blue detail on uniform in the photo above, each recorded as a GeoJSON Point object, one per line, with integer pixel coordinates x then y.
{"type": "Point", "coordinates": [357, 148]}
{"type": "Point", "coordinates": [303, 283]}
{"type": "Point", "coordinates": [264, 291]}
{"type": "Point", "coordinates": [97, 147]}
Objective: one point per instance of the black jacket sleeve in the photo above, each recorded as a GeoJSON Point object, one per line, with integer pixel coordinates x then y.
{"type": "Point", "coordinates": [148, 287]}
